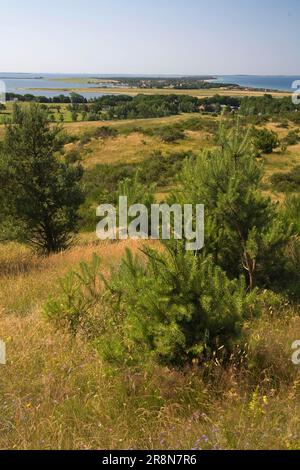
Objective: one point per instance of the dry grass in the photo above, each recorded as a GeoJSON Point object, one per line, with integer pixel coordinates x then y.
{"type": "Point", "coordinates": [135, 147]}
{"type": "Point", "coordinates": [78, 128]}
{"type": "Point", "coordinates": [26, 280]}
{"type": "Point", "coordinates": [132, 145]}
{"type": "Point", "coordinates": [166, 91]}
{"type": "Point", "coordinates": [279, 161]}
{"type": "Point", "coordinates": [56, 393]}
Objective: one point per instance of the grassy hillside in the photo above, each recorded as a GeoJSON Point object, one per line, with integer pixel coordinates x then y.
{"type": "Point", "coordinates": [56, 391]}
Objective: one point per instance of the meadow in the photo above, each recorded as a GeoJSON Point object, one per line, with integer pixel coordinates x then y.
{"type": "Point", "coordinates": [52, 108]}
{"type": "Point", "coordinates": [131, 91]}
{"type": "Point", "coordinates": [57, 392]}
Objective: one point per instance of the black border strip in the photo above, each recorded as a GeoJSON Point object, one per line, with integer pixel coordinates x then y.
{"type": "Point", "coordinates": [136, 459]}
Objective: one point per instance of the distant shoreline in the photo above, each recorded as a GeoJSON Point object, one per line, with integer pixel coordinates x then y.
{"type": "Point", "coordinates": [234, 85]}
{"type": "Point", "coordinates": [22, 78]}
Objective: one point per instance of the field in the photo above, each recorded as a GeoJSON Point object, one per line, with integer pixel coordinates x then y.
{"type": "Point", "coordinates": [159, 91]}
{"type": "Point", "coordinates": [53, 110]}
{"type": "Point", "coordinates": [132, 145]}
{"type": "Point", "coordinates": [56, 392]}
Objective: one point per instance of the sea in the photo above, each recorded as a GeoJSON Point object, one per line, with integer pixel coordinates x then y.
{"type": "Point", "coordinates": [22, 83]}
{"type": "Point", "coordinates": [264, 82]}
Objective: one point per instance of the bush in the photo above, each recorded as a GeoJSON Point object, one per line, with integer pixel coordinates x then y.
{"type": "Point", "coordinates": [73, 156]}
{"type": "Point", "coordinates": [162, 169]}
{"type": "Point", "coordinates": [86, 138]}
{"type": "Point", "coordinates": [105, 132]}
{"type": "Point", "coordinates": [93, 117]}
{"type": "Point", "coordinates": [64, 138]}
{"type": "Point", "coordinates": [287, 182]}
{"type": "Point", "coordinates": [265, 141]}
{"type": "Point", "coordinates": [292, 210]}
{"type": "Point", "coordinates": [292, 138]}
{"type": "Point", "coordinates": [171, 134]}
{"type": "Point", "coordinates": [176, 307]}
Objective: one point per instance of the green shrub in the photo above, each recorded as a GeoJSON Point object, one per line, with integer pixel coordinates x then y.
{"type": "Point", "coordinates": [287, 182]}
{"type": "Point", "coordinates": [265, 141]}
{"type": "Point", "coordinates": [105, 132]}
{"type": "Point", "coordinates": [86, 138]}
{"type": "Point", "coordinates": [162, 169]}
{"type": "Point", "coordinates": [136, 192]}
{"type": "Point", "coordinates": [292, 210]}
{"type": "Point", "coordinates": [93, 117]}
{"type": "Point", "coordinates": [73, 156]}
{"type": "Point", "coordinates": [65, 138]}
{"type": "Point", "coordinates": [171, 134]}
{"type": "Point", "coordinates": [292, 138]}
{"type": "Point", "coordinates": [176, 307]}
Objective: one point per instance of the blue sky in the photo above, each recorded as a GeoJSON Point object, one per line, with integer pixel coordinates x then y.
{"type": "Point", "coordinates": [151, 36]}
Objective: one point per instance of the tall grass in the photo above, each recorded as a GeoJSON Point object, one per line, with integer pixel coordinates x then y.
{"type": "Point", "coordinates": [56, 392]}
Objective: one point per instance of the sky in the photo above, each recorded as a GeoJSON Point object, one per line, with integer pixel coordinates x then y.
{"type": "Point", "coordinates": [151, 36]}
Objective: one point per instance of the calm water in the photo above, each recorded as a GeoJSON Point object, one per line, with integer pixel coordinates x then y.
{"type": "Point", "coordinates": [272, 82]}
{"type": "Point", "coordinates": [21, 83]}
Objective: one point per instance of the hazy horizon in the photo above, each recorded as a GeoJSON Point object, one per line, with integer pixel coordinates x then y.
{"type": "Point", "coordinates": [156, 75]}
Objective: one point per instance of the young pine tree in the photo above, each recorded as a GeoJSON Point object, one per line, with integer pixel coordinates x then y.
{"type": "Point", "coordinates": [175, 307]}
{"type": "Point", "coordinates": [40, 190]}
{"type": "Point", "coordinates": [243, 230]}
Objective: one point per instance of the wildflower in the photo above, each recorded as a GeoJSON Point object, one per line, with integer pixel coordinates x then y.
{"type": "Point", "coordinates": [265, 400]}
